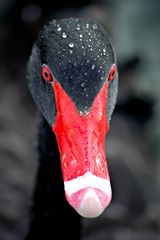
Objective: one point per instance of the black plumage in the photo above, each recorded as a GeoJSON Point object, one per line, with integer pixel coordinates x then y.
{"type": "Point", "coordinates": [51, 215]}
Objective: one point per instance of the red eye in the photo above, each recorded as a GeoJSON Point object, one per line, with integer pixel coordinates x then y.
{"type": "Point", "coordinates": [112, 73]}
{"type": "Point", "coordinates": [46, 74]}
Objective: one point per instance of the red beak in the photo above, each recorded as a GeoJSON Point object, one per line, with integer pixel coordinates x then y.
{"type": "Point", "coordinates": [81, 141]}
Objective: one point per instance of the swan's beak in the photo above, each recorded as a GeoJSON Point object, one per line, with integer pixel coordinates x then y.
{"type": "Point", "coordinates": [81, 140]}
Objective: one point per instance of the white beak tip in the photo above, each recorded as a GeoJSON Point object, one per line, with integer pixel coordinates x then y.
{"type": "Point", "coordinates": [91, 206]}
{"type": "Point", "coordinates": [89, 195]}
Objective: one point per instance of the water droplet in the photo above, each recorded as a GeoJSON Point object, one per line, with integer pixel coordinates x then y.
{"type": "Point", "coordinates": [93, 66]}
{"type": "Point", "coordinates": [71, 51]}
{"type": "Point", "coordinates": [73, 162]}
{"type": "Point", "coordinates": [89, 45]}
{"type": "Point", "coordinates": [80, 35]}
{"type": "Point", "coordinates": [83, 47]}
{"type": "Point", "coordinates": [84, 54]}
{"type": "Point", "coordinates": [87, 25]}
{"type": "Point", "coordinates": [101, 78]}
{"type": "Point", "coordinates": [71, 45]}
{"type": "Point", "coordinates": [104, 50]}
{"type": "Point", "coordinates": [98, 161]}
{"type": "Point", "coordinates": [64, 35]}
{"type": "Point", "coordinates": [85, 73]}
{"type": "Point", "coordinates": [91, 49]}
{"type": "Point", "coordinates": [90, 40]}
{"type": "Point", "coordinates": [83, 84]}
{"type": "Point", "coordinates": [88, 61]}
{"type": "Point", "coordinates": [59, 29]}
{"type": "Point", "coordinates": [78, 27]}
{"type": "Point", "coordinates": [86, 95]}
{"type": "Point", "coordinates": [89, 33]}
{"type": "Point", "coordinates": [85, 89]}
{"type": "Point", "coordinates": [63, 157]}
{"type": "Point", "coordinates": [100, 112]}
{"type": "Point", "coordinates": [94, 26]}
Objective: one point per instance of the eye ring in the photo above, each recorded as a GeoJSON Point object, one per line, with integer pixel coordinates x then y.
{"type": "Point", "coordinates": [46, 73]}
{"type": "Point", "coordinates": [112, 73]}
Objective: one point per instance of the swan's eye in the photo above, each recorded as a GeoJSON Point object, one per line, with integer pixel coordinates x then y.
{"type": "Point", "coordinates": [112, 73]}
{"type": "Point", "coordinates": [46, 74]}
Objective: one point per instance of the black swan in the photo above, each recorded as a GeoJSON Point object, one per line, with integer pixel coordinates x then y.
{"type": "Point", "coordinates": [72, 76]}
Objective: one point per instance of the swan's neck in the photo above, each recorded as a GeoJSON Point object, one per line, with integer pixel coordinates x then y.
{"type": "Point", "coordinates": [51, 217]}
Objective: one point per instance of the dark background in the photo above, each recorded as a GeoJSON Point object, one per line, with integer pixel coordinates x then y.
{"type": "Point", "coordinates": [133, 144]}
